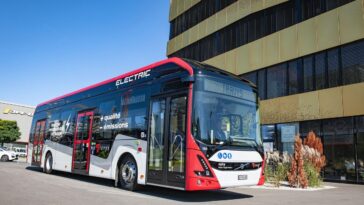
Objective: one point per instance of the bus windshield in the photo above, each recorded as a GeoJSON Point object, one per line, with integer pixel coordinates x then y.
{"type": "Point", "coordinates": [225, 113]}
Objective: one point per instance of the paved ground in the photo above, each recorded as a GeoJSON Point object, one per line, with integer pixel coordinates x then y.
{"type": "Point", "coordinates": [20, 184]}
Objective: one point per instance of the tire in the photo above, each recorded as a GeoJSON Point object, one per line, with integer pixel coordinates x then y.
{"type": "Point", "coordinates": [48, 163]}
{"type": "Point", "coordinates": [128, 174]}
{"type": "Point", "coordinates": [4, 158]}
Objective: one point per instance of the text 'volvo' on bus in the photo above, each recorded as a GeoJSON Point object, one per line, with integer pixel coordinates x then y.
{"type": "Point", "coordinates": [176, 123]}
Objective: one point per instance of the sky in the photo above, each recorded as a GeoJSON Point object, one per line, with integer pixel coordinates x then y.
{"type": "Point", "coordinates": [52, 47]}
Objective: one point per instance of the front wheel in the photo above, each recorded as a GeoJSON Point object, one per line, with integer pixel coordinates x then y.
{"type": "Point", "coordinates": [48, 163]}
{"type": "Point", "coordinates": [4, 158]}
{"type": "Point", "coordinates": [128, 172]}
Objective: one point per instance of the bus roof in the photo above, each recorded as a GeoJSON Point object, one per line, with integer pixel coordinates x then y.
{"type": "Point", "coordinates": [174, 60]}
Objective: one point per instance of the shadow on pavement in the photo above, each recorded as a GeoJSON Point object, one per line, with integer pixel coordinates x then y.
{"type": "Point", "coordinates": [171, 194]}
{"type": "Point", "coordinates": [197, 196]}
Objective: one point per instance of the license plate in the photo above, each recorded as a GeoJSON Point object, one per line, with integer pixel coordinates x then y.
{"type": "Point", "coordinates": [242, 177]}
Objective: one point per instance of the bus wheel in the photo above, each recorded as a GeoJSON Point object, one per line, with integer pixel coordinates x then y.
{"type": "Point", "coordinates": [4, 158]}
{"type": "Point", "coordinates": [48, 164]}
{"type": "Point", "coordinates": [128, 172]}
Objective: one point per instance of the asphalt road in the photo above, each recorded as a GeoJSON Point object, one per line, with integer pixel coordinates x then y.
{"type": "Point", "coordinates": [23, 185]}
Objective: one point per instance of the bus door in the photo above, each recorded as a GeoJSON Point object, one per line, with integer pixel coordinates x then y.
{"type": "Point", "coordinates": [166, 142]}
{"type": "Point", "coordinates": [38, 142]}
{"type": "Point", "coordinates": [82, 140]}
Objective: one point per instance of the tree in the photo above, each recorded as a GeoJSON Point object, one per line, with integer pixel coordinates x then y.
{"type": "Point", "coordinates": [9, 131]}
{"type": "Point", "coordinates": [296, 175]}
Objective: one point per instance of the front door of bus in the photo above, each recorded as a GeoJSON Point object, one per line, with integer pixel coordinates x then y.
{"type": "Point", "coordinates": [81, 145]}
{"type": "Point", "coordinates": [38, 142]}
{"type": "Point", "coordinates": [167, 134]}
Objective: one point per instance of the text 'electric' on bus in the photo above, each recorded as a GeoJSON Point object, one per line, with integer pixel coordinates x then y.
{"type": "Point", "coordinates": [176, 123]}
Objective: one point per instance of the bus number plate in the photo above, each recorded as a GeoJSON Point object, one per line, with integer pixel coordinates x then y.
{"type": "Point", "coordinates": [242, 177]}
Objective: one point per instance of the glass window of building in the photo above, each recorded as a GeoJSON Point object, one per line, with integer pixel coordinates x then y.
{"type": "Point", "coordinates": [277, 81]}
{"type": "Point", "coordinates": [308, 74]}
{"type": "Point", "coordinates": [307, 126]}
{"type": "Point", "coordinates": [293, 77]}
{"type": "Point", "coordinates": [251, 77]}
{"type": "Point", "coordinates": [262, 84]}
{"type": "Point", "coordinates": [339, 149]}
{"type": "Point", "coordinates": [269, 137]}
{"type": "Point", "coordinates": [252, 29]}
{"type": "Point", "coordinates": [353, 63]}
{"type": "Point", "coordinates": [333, 68]}
{"type": "Point", "coordinates": [360, 147]}
{"type": "Point", "coordinates": [320, 70]}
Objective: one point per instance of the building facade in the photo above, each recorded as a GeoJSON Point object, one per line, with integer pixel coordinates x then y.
{"type": "Point", "coordinates": [23, 115]}
{"type": "Point", "coordinates": [305, 56]}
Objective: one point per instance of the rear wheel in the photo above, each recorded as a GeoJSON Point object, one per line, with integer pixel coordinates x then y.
{"type": "Point", "coordinates": [48, 164]}
{"type": "Point", "coordinates": [128, 172]}
{"type": "Point", "coordinates": [4, 158]}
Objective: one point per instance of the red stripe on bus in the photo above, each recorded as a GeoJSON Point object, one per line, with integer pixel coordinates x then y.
{"type": "Point", "coordinates": [174, 60]}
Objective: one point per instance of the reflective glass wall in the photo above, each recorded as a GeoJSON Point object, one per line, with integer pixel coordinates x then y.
{"type": "Point", "coordinates": [338, 66]}
{"type": "Point", "coordinates": [343, 140]}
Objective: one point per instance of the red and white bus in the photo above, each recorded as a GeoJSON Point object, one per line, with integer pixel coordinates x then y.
{"type": "Point", "coordinates": [175, 123]}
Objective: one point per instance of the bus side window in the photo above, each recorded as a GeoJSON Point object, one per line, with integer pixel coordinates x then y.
{"type": "Point", "coordinates": [54, 131]}
{"type": "Point", "coordinates": [104, 128]}
{"type": "Point", "coordinates": [68, 128]}
{"type": "Point", "coordinates": [134, 113]}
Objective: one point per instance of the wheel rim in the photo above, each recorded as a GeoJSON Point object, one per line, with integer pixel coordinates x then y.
{"type": "Point", "coordinates": [128, 172]}
{"type": "Point", "coordinates": [4, 158]}
{"type": "Point", "coordinates": [48, 163]}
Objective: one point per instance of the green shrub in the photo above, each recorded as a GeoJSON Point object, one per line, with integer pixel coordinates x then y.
{"type": "Point", "coordinates": [276, 173]}
{"type": "Point", "coordinates": [314, 178]}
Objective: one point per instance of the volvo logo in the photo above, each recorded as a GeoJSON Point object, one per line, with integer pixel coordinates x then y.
{"type": "Point", "coordinates": [224, 155]}
{"type": "Point", "coordinates": [242, 166]}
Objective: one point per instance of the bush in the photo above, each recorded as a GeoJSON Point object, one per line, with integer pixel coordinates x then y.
{"type": "Point", "coordinates": [276, 168]}
{"type": "Point", "coordinates": [314, 178]}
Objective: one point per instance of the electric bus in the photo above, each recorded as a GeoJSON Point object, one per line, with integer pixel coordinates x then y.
{"type": "Point", "coordinates": [176, 123]}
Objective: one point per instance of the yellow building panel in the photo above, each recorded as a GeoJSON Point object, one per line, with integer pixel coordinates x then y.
{"type": "Point", "coordinates": [271, 49]}
{"type": "Point", "coordinates": [353, 99]}
{"type": "Point", "coordinates": [269, 111]}
{"type": "Point", "coordinates": [210, 24]}
{"type": "Point", "coordinates": [180, 7]}
{"type": "Point", "coordinates": [308, 106]}
{"type": "Point", "coordinates": [269, 3]}
{"type": "Point", "coordinates": [202, 29]}
{"type": "Point", "coordinates": [244, 8]}
{"type": "Point", "coordinates": [218, 61]}
{"type": "Point", "coordinates": [232, 13]}
{"type": "Point", "coordinates": [351, 22]}
{"type": "Point", "coordinates": [170, 46]}
{"type": "Point", "coordinates": [342, 101]}
{"type": "Point", "coordinates": [257, 5]}
{"type": "Point", "coordinates": [331, 102]}
{"type": "Point", "coordinates": [230, 61]}
{"type": "Point", "coordinates": [327, 28]}
{"type": "Point", "coordinates": [255, 55]}
{"type": "Point", "coordinates": [177, 42]}
{"type": "Point", "coordinates": [288, 44]}
{"type": "Point", "coordinates": [288, 108]}
{"type": "Point", "coordinates": [242, 60]}
{"type": "Point", "coordinates": [185, 38]}
{"type": "Point", "coordinates": [193, 34]}
{"type": "Point", "coordinates": [306, 37]}
{"type": "Point", "coordinates": [187, 4]}
{"type": "Point", "coordinates": [225, 17]}
{"type": "Point", "coordinates": [173, 9]}
{"type": "Point", "coordinates": [221, 18]}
